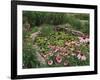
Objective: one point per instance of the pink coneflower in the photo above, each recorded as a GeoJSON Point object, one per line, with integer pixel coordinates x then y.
{"type": "Point", "coordinates": [56, 50]}
{"type": "Point", "coordinates": [67, 44]}
{"type": "Point", "coordinates": [58, 59]}
{"type": "Point", "coordinates": [65, 63]}
{"type": "Point", "coordinates": [52, 47]}
{"type": "Point", "coordinates": [64, 50]}
{"type": "Point", "coordinates": [78, 52]}
{"type": "Point", "coordinates": [73, 42]}
{"type": "Point", "coordinates": [77, 43]}
{"type": "Point", "coordinates": [50, 62]}
{"type": "Point", "coordinates": [61, 53]}
{"type": "Point", "coordinates": [45, 57]}
{"type": "Point", "coordinates": [73, 54]}
{"type": "Point", "coordinates": [81, 57]}
{"type": "Point", "coordinates": [65, 54]}
{"type": "Point", "coordinates": [72, 49]}
{"type": "Point", "coordinates": [61, 48]}
{"type": "Point", "coordinates": [83, 39]}
{"type": "Point", "coordinates": [50, 53]}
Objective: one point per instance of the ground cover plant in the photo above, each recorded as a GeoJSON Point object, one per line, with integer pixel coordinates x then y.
{"type": "Point", "coordinates": [52, 39]}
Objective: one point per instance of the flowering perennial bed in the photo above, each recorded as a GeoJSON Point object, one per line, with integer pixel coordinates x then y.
{"type": "Point", "coordinates": [61, 49]}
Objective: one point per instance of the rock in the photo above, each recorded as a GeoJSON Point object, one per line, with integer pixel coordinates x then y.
{"type": "Point", "coordinates": [40, 59]}
{"type": "Point", "coordinates": [39, 56]}
{"type": "Point", "coordinates": [68, 30]}
{"type": "Point", "coordinates": [34, 35]}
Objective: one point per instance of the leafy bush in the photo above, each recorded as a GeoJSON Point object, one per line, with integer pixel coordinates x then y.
{"type": "Point", "coordinates": [39, 18]}
{"type": "Point", "coordinates": [74, 61]}
{"type": "Point", "coordinates": [82, 16]}
{"type": "Point", "coordinates": [47, 30]}
{"type": "Point", "coordinates": [85, 28]}
{"type": "Point", "coordinates": [29, 57]}
{"type": "Point", "coordinates": [75, 23]}
{"type": "Point", "coordinates": [34, 29]}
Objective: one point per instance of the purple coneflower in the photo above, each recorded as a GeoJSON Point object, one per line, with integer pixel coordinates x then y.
{"type": "Point", "coordinates": [58, 59]}
{"type": "Point", "coordinates": [50, 62]}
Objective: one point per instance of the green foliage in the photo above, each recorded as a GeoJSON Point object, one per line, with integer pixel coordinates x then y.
{"type": "Point", "coordinates": [34, 29]}
{"type": "Point", "coordinates": [27, 16]}
{"type": "Point", "coordinates": [74, 61]}
{"type": "Point", "coordinates": [29, 56]}
{"type": "Point", "coordinates": [82, 16]}
{"type": "Point", "coordinates": [75, 23]}
{"type": "Point", "coordinates": [47, 30]}
{"type": "Point", "coordinates": [54, 38]}
{"type": "Point", "coordinates": [85, 28]}
{"type": "Point", "coordinates": [39, 18]}
{"type": "Point", "coordinates": [25, 34]}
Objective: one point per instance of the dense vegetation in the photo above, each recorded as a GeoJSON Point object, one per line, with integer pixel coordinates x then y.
{"type": "Point", "coordinates": [55, 47]}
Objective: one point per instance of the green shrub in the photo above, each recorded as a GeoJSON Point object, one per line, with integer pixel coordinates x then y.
{"type": "Point", "coordinates": [85, 28]}
{"type": "Point", "coordinates": [82, 16]}
{"type": "Point", "coordinates": [29, 57]}
{"type": "Point", "coordinates": [54, 18]}
{"type": "Point", "coordinates": [74, 61]}
{"type": "Point", "coordinates": [75, 23]}
{"type": "Point", "coordinates": [47, 30]}
{"type": "Point", "coordinates": [34, 29]}
{"type": "Point", "coordinates": [39, 18]}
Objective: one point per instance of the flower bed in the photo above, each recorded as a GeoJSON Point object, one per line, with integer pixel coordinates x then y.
{"type": "Point", "coordinates": [61, 49]}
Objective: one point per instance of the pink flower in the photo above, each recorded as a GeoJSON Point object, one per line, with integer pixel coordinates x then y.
{"type": "Point", "coordinates": [65, 63]}
{"type": "Point", "coordinates": [81, 57]}
{"type": "Point", "coordinates": [73, 42]}
{"type": "Point", "coordinates": [58, 59]}
{"type": "Point", "coordinates": [52, 47]}
{"type": "Point", "coordinates": [72, 49]}
{"type": "Point", "coordinates": [61, 53]}
{"type": "Point", "coordinates": [83, 39]}
{"type": "Point", "coordinates": [56, 50]}
{"type": "Point", "coordinates": [66, 54]}
{"type": "Point", "coordinates": [73, 54]}
{"type": "Point", "coordinates": [50, 62]}
{"type": "Point", "coordinates": [61, 48]}
{"type": "Point", "coordinates": [77, 44]}
{"type": "Point", "coordinates": [67, 44]}
{"type": "Point", "coordinates": [50, 53]}
{"type": "Point", "coordinates": [64, 50]}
